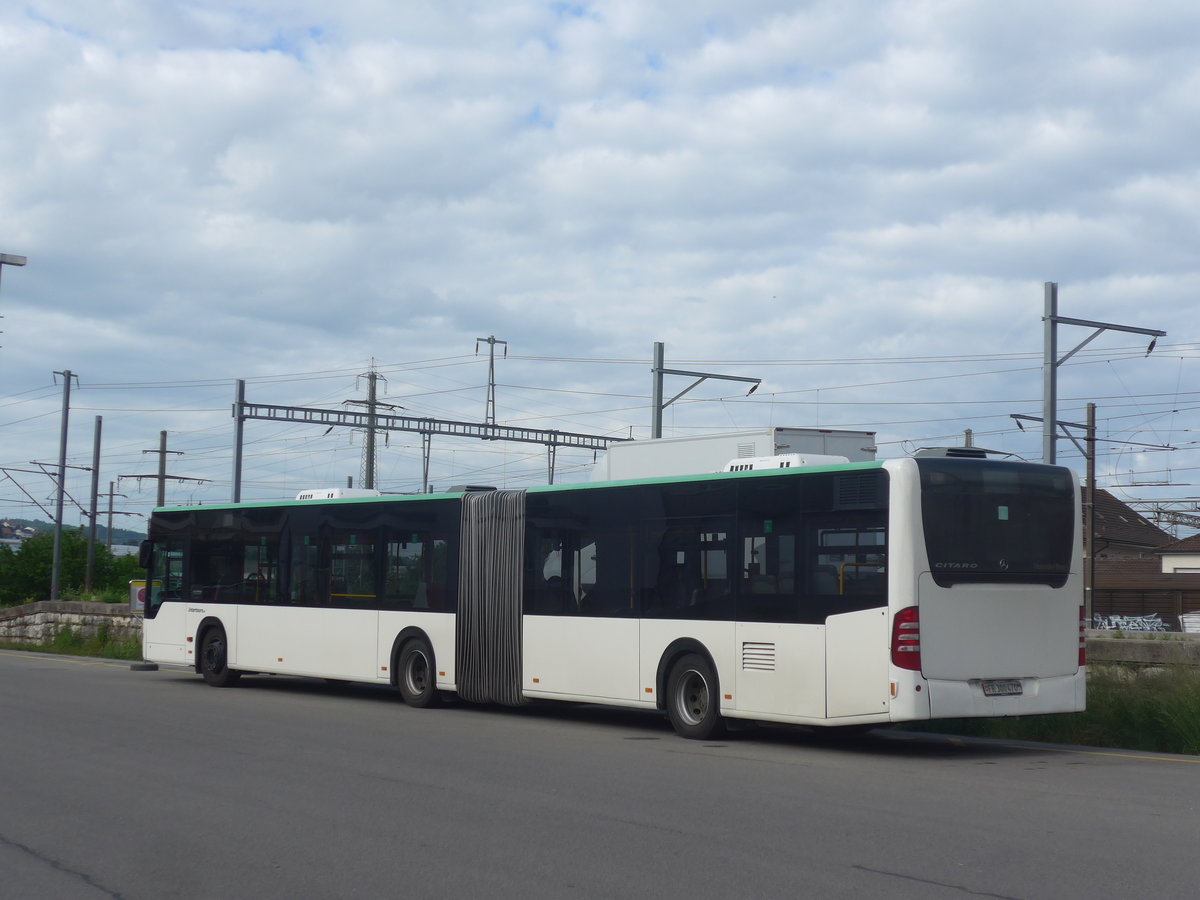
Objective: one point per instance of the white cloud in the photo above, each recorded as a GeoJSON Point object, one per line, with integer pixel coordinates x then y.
{"type": "Point", "coordinates": [213, 190]}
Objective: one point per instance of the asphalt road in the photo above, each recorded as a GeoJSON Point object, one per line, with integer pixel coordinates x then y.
{"type": "Point", "coordinates": [121, 784]}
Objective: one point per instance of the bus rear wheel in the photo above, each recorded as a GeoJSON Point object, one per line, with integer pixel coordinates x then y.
{"type": "Point", "coordinates": [693, 704]}
{"type": "Point", "coordinates": [214, 660]}
{"type": "Point", "coordinates": [416, 680]}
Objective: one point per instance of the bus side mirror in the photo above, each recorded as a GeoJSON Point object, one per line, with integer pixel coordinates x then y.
{"type": "Point", "coordinates": [145, 552]}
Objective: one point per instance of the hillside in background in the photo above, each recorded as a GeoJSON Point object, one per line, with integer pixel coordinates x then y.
{"type": "Point", "coordinates": [120, 535]}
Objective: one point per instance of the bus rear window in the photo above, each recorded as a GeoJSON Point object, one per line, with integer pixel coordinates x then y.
{"type": "Point", "coordinates": [997, 522]}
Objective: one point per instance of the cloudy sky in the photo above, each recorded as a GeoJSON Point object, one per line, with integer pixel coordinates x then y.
{"type": "Point", "coordinates": [857, 202]}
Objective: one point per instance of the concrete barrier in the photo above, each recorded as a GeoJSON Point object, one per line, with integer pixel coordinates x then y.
{"type": "Point", "coordinates": [1163, 650]}
{"type": "Point", "coordinates": [36, 623]}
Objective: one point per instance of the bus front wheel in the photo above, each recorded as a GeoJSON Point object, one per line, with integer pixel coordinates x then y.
{"type": "Point", "coordinates": [693, 703]}
{"type": "Point", "coordinates": [418, 685]}
{"type": "Point", "coordinates": [214, 660]}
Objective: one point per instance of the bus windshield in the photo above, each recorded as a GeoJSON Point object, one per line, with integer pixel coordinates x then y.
{"type": "Point", "coordinates": [997, 522]}
{"type": "Point", "coordinates": [166, 574]}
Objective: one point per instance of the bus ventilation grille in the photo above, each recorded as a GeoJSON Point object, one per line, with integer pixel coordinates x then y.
{"type": "Point", "coordinates": [857, 491]}
{"type": "Point", "coordinates": [758, 656]}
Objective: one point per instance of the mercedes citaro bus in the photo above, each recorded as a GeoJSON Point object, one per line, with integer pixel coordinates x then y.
{"type": "Point", "coordinates": [861, 593]}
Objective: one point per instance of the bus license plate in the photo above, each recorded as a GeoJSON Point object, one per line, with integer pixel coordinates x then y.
{"type": "Point", "coordinates": [1008, 688]}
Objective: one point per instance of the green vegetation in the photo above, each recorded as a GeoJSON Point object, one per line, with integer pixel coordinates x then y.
{"type": "Point", "coordinates": [72, 643]}
{"type": "Point", "coordinates": [25, 573]}
{"type": "Point", "coordinates": [1134, 709]}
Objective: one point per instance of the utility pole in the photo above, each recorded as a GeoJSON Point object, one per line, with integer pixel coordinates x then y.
{"type": "Point", "coordinates": [91, 548]}
{"type": "Point", "coordinates": [366, 477]}
{"type": "Point", "coordinates": [656, 390]}
{"type": "Point", "coordinates": [239, 418]}
{"type": "Point", "coordinates": [108, 534]}
{"type": "Point", "coordinates": [56, 562]}
{"type": "Point", "coordinates": [1089, 518]}
{"type": "Point", "coordinates": [162, 452]}
{"type": "Point", "coordinates": [1051, 361]}
{"type": "Point", "coordinates": [489, 416]}
{"type": "Point", "coordinates": [161, 476]}
{"type": "Point", "coordinates": [426, 452]}
{"type": "Point", "coordinates": [657, 373]}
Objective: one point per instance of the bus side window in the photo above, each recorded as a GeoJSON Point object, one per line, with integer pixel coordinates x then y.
{"type": "Point", "coordinates": [261, 572]}
{"type": "Point", "coordinates": [549, 576]}
{"type": "Point", "coordinates": [689, 575]}
{"type": "Point", "coordinates": [235, 571]}
{"type": "Point", "coordinates": [308, 579]}
{"type": "Point", "coordinates": [214, 564]}
{"type": "Point", "coordinates": [415, 572]}
{"type": "Point", "coordinates": [352, 569]}
{"type": "Point", "coordinates": [768, 586]}
{"type": "Point", "coordinates": [849, 565]}
{"type": "Point", "coordinates": [606, 573]}
{"type": "Point", "coordinates": [769, 564]}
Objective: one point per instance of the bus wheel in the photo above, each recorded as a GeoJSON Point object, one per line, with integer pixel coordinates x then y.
{"type": "Point", "coordinates": [692, 699]}
{"type": "Point", "coordinates": [214, 659]}
{"type": "Point", "coordinates": [418, 686]}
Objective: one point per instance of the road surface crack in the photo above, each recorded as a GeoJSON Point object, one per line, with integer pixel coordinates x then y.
{"type": "Point", "coordinates": [59, 867]}
{"type": "Point", "coordinates": [953, 887]}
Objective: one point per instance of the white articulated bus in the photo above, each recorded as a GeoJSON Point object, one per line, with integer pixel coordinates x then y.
{"type": "Point", "coordinates": [853, 594]}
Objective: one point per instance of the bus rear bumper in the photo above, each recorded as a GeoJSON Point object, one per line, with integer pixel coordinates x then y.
{"type": "Point", "coordinates": [983, 698]}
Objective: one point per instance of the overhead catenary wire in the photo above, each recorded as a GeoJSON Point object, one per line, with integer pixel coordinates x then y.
{"type": "Point", "coordinates": [426, 380]}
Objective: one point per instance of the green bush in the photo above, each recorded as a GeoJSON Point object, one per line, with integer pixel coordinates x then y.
{"type": "Point", "coordinates": [67, 640]}
{"type": "Point", "coordinates": [25, 573]}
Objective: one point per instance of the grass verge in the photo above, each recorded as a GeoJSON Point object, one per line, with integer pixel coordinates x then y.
{"type": "Point", "coordinates": [1135, 709]}
{"type": "Point", "coordinates": [71, 642]}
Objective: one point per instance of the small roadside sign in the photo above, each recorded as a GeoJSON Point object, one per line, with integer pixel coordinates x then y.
{"type": "Point", "coordinates": [137, 594]}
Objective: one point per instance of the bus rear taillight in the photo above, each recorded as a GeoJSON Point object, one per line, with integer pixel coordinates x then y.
{"type": "Point", "coordinates": [1082, 636]}
{"type": "Point", "coordinates": [906, 639]}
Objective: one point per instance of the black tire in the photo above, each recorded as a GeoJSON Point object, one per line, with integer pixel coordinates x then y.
{"type": "Point", "coordinates": [693, 699]}
{"type": "Point", "coordinates": [416, 676]}
{"type": "Point", "coordinates": [214, 659]}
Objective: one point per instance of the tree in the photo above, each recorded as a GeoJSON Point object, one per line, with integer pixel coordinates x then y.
{"type": "Point", "coordinates": [7, 562]}
{"type": "Point", "coordinates": [26, 574]}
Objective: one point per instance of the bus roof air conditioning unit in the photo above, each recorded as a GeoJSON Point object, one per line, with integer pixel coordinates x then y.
{"type": "Point", "coordinates": [961, 452]}
{"type": "Point", "coordinates": [782, 461]}
{"type": "Point", "coordinates": [337, 493]}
